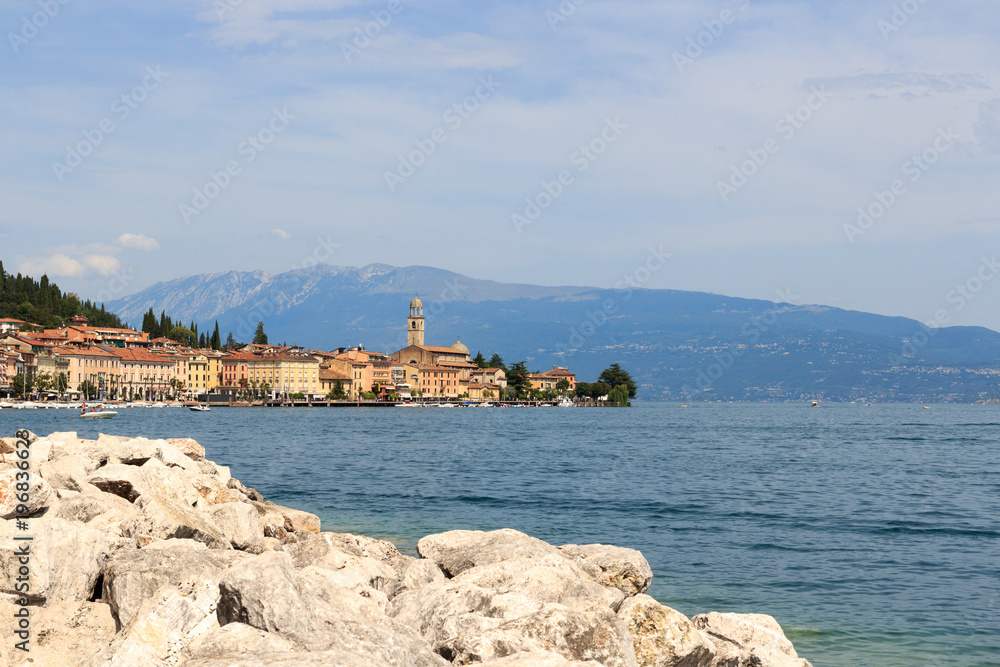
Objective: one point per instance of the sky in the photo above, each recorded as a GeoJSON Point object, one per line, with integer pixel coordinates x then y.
{"type": "Point", "coordinates": [821, 153]}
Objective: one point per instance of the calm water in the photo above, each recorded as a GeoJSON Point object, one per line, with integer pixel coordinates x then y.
{"type": "Point", "coordinates": [871, 533]}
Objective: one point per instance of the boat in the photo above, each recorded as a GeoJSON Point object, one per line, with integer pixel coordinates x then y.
{"type": "Point", "coordinates": [815, 404]}
{"type": "Point", "coordinates": [99, 414]}
{"type": "Point", "coordinates": [565, 403]}
{"type": "Point", "coordinates": [200, 408]}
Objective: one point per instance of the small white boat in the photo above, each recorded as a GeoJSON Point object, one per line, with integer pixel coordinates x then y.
{"type": "Point", "coordinates": [101, 414]}
{"type": "Point", "coordinates": [200, 408]}
{"type": "Point", "coordinates": [565, 403]}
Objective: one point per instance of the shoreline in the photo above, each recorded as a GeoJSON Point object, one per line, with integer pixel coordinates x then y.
{"type": "Point", "coordinates": [146, 552]}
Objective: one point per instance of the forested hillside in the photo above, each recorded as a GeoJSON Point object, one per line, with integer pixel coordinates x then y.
{"type": "Point", "coordinates": [41, 302]}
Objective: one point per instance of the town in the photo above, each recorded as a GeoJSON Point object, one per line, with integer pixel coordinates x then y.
{"type": "Point", "coordinates": [84, 362]}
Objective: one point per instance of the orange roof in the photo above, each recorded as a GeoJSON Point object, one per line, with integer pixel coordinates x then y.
{"type": "Point", "coordinates": [89, 351]}
{"type": "Point", "coordinates": [137, 355]}
{"type": "Point", "coordinates": [441, 350]}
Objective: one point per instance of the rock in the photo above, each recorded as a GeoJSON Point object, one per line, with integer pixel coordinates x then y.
{"type": "Point", "coordinates": [663, 637]}
{"type": "Point", "coordinates": [415, 576]}
{"type": "Point", "coordinates": [325, 585]}
{"type": "Point", "coordinates": [262, 592]}
{"type": "Point", "coordinates": [152, 479]}
{"type": "Point", "coordinates": [356, 572]}
{"type": "Point", "coordinates": [131, 578]}
{"type": "Point", "coordinates": [165, 624]}
{"type": "Point", "coordinates": [460, 550]}
{"type": "Point", "coordinates": [252, 494]}
{"type": "Point", "coordinates": [230, 641]}
{"type": "Point", "coordinates": [624, 569]}
{"type": "Point", "coordinates": [69, 472]}
{"type": "Point", "coordinates": [296, 520]}
{"type": "Point", "coordinates": [172, 457]}
{"type": "Point", "coordinates": [596, 635]}
{"type": "Point", "coordinates": [189, 448]}
{"type": "Point", "coordinates": [93, 507]}
{"type": "Point", "coordinates": [754, 640]}
{"type": "Point", "coordinates": [314, 659]}
{"type": "Point", "coordinates": [239, 524]}
{"type": "Point", "coordinates": [539, 659]}
{"type": "Point", "coordinates": [272, 522]}
{"type": "Point", "coordinates": [126, 482]}
{"type": "Point", "coordinates": [66, 559]}
{"type": "Point", "coordinates": [163, 519]}
{"type": "Point", "coordinates": [213, 491]}
{"type": "Point", "coordinates": [70, 633]}
{"type": "Point", "coordinates": [549, 578]}
{"type": "Point", "coordinates": [134, 451]}
{"type": "Point", "coordinates": [39, 494]}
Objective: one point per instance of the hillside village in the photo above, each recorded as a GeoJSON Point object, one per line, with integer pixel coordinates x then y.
{"type": "Point", "coordinates": [93, 362]}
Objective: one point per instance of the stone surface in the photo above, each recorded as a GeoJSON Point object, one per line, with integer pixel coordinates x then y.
{"type": "Point", "coordinates": [231, 640]}
{"type": "Point", "coordinates": [238, 523]}
{"type": "Point", "coordinates": [69, 472]}
{"type": "Point", "coordinates": [315, 659]}
{"type": "Point", "coordinates": [539, 659]}
{"type": "Point", "coordinates": [131, 578]}
{"type": "Point", "coordinates": [297, 519]}
{"type": "Point", "coordinates": [70, 633]}
{"type": "Point", "coordinates": [189, 447]}
{"type": "Point", "coordinates": [414, 576]}
{"type": "Point", "coordinates": [163, 519]}
{"type": "Point", "coordinates": [748, 640]}
{"type": "Point", "coordinates": [460, 550]}
{"type": "Point", "coordinates": [66, 559]}
{"type": "Point", "coordinates": [664, 637]}
{"type": "Point", "coordinates": [272, 522]}
{"type": "Point", "coordinates": [624, 569]}
{"type": "Point", "coordinates": [94, 507]}
{"type": "Point", "coordinates": [40, 494]}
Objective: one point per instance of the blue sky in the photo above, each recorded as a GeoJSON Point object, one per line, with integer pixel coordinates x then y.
{"type": "Point", "coordinates": [742, 137]}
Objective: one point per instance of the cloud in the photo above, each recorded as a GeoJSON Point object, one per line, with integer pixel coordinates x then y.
{"type": "Point", "coordinates": [105, 265]}
{"type": "Point", "coordinates": [281, 234]}
{"type": "Point", "coordinates": [56, 265]}
{"type": "Point", "coordinates": [138, 241]}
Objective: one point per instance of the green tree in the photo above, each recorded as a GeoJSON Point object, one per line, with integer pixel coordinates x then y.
{"type": "Point", "coordinates": [480, 360]}
{"type": "Point", "coordinates": [61, 383]}
{"type": "Point", "coordinates": [517, 380]}
{"type": "Point", "coordinates": [496, 361]}
{"type": "Point", "coordinates": [23, 385]}
{"type": "Point", "coordinates": [231, 343]}
{"type": "Point", "coordinates": [337, 393]}
{"type": "Point", "coordinates": [87, 389]}
{"type": "Point", "coordinates": [615, 376]}
{"type": "Point", "coordinates": [43, 382]}
{"type": "Point", "coordinates": [216, 338]}
{"type": "Point", "coordinates": [182, 335]}
{"type": "Point", "coordinates": [562, 386]}
{"type": "Point", "coordinates": [619, 395]}
{"type": "Point", "coordinates": [259, 337]}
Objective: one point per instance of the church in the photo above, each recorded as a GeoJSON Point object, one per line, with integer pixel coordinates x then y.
{"type": "Point", "coordinates": [418, 354]}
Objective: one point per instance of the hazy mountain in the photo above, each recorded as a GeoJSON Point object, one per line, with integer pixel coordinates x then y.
{"type": "Point", "coordinates": [685, 345]}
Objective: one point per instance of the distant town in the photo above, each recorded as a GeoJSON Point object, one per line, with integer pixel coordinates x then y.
{"type": "Point", "coordinates": [86, 362]}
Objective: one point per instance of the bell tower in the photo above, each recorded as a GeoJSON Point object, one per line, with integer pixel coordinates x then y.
{"type": "Point", "coordinates": [415, 323]}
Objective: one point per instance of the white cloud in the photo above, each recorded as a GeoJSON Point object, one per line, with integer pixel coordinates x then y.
{"type": "Point", "coordinates": [281, 234]}
{"type": "Point", "coordinates": [56, 265]}
{"type": "Point", "coordinates": [105, 265]}
{"type": "Point", "coordinates": [138, 241]}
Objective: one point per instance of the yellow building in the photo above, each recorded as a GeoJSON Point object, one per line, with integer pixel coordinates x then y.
{"type": "Point", "coordinates": [285, 373]}
{"type": "Point", "coordinates": [100, 368]}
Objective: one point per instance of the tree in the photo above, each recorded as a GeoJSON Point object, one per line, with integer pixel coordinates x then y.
{"type": "Point", "coordinates": [615, 376]}
{"type": "Point", "coordinates": [23, 385]}
{"type": "Point", "coordinates": [88, 389]}
{"type": "Point", "coordinates": [517, 380]}
{"type": "Point", "coordinates": [259, 337]}
{"type": "Point", "coordinates": [182, 335]}
{"type": "Point", "coordinates": [480, 360]}
{"type": "Point", "coordinates": [496, 361]}
{"type": "Point", "coordinates": [337, 393]}
{"type": "Point", "coordinates": [562, 386]}
{"type": "Point", "coordinates": [216, 338]}
{"type": "Point", "coordinates": [61, 383]}
{"type": "Point", "coordinates": [202, 343]}
{"type": "Point", "coordinates": [231, 343]}
{"type": "Point", "coordinates": [43, 382]}
{"type": "Point", "coordinates": [619, 395]}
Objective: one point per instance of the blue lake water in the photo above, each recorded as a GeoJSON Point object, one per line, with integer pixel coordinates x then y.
{"type": "Point", "coordinates": [871, 533]}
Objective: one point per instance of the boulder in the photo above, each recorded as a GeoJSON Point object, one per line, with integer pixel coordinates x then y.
{"type": "Point", "coordinates": [596, 635]}
{"type": "Point", "coordinates": [754, 640]}
{"type": "Point", "coordinates": [272, 522]}
{"type": "Point", "coordinates": [663, 637]}
{"type": "Point", "coordinates": [460, 550]}
{"type": "Point", "coordinates": [131, 451]}
{"type": "Point", "coordinates": [238, 523]}
{"type": "Point", "coordinates": [325, 585]}
{"type": "Point", "coordinates": [70, 633]}
{"type": "Point", "coordinates": [69, 472]}
{"type": "Point", "coordinates": [549, 578]}
{"type": "Point", "coordinates": [212, 490]}
{"type": "Point", "coordinates": [358, 573]}
{"type": "Point", "coordinates": [237, 485]}
{"type": "Point", "coordinates": [360, 545]}
{"type": "Point", "coordinates": [39, 494]}
{"type": "Point", "coordinates": [539, 659]}
{"type": "Point", "coordinates": [66, 559]}
{"type": "Point", "coordinates": [132, 577]}
{"type": "Point", "coordinates": [624, 569]}
{"type": "Point", "coordinates": [189, 448]}
{"type": "Point", "coordinates": [312, 659]}
{"type": "Point", "coordinates": [93, 507]}
{"type": "Point", "coordinates": [152, 479]}
{"type": "Point", "coordinates": [158, 518]}
{"type": "Point", "coordinates": [230, 641]}
{"type": "Point", "coordinates": [416, 575]}
{"type": "Point", "coordinates": [165, 624]}
{"type": "Point", "coordinates": [296, 520]}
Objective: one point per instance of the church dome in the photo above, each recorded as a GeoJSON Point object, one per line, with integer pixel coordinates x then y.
{"type": "Point", "coordinates": [416, 303]}
{"type": "Point", "coordinates": [461, 348]}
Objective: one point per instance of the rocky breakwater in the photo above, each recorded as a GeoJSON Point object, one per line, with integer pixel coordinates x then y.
{"type": "Point", "coordinates": [143, 552]}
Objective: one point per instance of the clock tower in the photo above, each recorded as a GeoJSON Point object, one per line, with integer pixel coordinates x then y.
{"type": "Point", "coordinates": [415, 323]}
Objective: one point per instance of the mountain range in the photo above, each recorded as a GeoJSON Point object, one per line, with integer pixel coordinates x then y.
{"type": "Point", "coordinates": [678, 345]}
